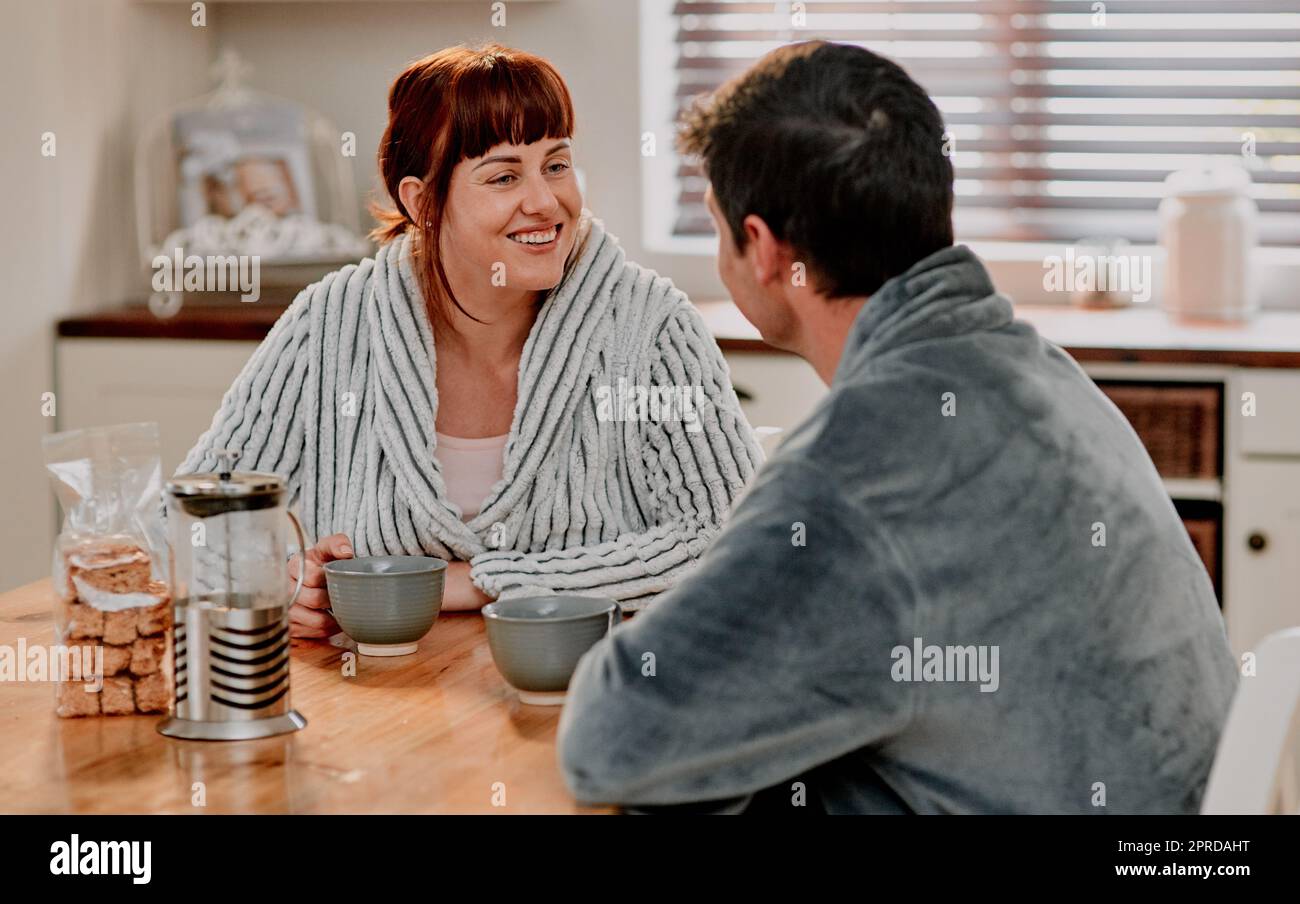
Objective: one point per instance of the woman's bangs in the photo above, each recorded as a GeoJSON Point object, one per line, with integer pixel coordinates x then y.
{"type": "Point", "coordinates": [509, 102]}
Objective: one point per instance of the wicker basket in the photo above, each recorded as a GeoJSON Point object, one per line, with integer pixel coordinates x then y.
{"type": "Point", "coordinates": [1179, 423]}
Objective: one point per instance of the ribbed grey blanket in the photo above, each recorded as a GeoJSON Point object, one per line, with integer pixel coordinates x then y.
{"type": "Point", "coordinates": [340, 399]}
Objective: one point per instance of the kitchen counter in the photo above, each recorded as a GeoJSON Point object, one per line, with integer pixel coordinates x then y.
{"type": "Point", "coordinates": [434, 732]}
{"type": "Point", "coordinates": [1136, 334]}
{"type": "Point", "coordinates": [249, 321]}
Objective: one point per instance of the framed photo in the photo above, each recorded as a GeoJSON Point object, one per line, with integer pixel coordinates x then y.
{"type": "Point", "coordinates": [231, 157]}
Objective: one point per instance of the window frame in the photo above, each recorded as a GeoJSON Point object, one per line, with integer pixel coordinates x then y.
{"type": "Point", "coordinates": [1016, 266]}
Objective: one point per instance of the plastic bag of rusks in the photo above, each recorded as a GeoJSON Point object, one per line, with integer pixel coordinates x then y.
{"type": "Point", "coordinates": [113, 616]}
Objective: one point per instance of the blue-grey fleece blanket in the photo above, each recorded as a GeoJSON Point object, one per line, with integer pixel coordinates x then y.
{"type": "Point", "coordinates": [959, 587]}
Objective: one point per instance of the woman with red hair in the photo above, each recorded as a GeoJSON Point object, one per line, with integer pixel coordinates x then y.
{"type": "Point", "coordinates": [498, 386]}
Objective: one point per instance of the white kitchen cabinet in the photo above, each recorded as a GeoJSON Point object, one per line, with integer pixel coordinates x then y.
{"type": "Point", "coordinates": [1262, 550]}
{"type": "Point", "coordinates": [1261, 535]}
{"type": "Point", "coordinates": [178, 383]}
{"type": "Point", "coordinates": [775, 389]}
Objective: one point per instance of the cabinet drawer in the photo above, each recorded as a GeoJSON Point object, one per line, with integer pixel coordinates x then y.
{"type": "Point", "coordinates": [1274, 428]}
{"type": "Point", "coordinates": [1179, 423]}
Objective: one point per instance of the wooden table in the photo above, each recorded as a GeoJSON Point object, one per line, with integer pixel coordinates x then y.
{"type": "Point", "coordinates": [434, 732]}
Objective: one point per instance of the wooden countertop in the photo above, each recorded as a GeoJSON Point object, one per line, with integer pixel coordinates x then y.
{"type": "Point", "coordinates": [1136, 334]}
{"type": "Point", "coordinates": [249, 322]}
{"type": "Point", "coordinates": [427, 733]}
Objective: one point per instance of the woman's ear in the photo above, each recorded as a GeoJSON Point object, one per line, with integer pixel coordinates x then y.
{"type": "Point", "coordinates": [408, 192]}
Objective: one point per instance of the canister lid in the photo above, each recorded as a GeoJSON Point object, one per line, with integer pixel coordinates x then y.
{"type": "Point", "coordinates": [1209, 181]}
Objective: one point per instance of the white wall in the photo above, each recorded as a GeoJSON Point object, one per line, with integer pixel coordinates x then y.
{"type": "Point", "coordinates": [86, 72]}
{"type": "Point", "coordinates": [341, 58]}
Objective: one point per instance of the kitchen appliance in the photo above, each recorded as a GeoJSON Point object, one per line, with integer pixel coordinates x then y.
{"type": "Point", "coordinates": [229, 577]}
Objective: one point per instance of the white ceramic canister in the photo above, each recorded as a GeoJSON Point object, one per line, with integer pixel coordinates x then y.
{"type": "Point", "coordinates": [1209, 228]}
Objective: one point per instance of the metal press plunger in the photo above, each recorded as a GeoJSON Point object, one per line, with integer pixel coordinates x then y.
{"type": "Point", "coordinates": [228, 576]}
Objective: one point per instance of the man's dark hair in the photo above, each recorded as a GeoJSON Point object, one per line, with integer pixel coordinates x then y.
{"type": "Point", "coordinates": [839, 152]}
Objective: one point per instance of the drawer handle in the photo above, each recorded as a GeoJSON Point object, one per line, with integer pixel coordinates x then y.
{"type": "Point", "coordinates": [1257, 541]}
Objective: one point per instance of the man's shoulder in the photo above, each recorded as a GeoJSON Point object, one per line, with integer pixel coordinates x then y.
{"type": "Point", "coordinates": [904, 422]}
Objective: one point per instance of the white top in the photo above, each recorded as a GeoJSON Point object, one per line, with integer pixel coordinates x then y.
{"type": "Point", "coordinates": [470, 468]}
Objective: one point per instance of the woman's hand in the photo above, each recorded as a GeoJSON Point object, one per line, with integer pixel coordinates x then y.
{"type": "Point", "coordinates": [459, 594]}
{"type": "Point", "coordinates": [308, 616]}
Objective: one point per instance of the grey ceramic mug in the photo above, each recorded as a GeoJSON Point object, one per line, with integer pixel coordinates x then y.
{"type": "Point", "coordinates": [536, 641]}
{"type": "Point", "coordinates": [386, 603]}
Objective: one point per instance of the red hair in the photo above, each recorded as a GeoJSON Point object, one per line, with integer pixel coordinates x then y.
{"type": "Point", "coordinates": [450, 106]}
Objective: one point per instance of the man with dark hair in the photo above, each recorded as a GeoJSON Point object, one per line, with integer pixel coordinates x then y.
{"type": "Point", "coordinates": [960, 585]}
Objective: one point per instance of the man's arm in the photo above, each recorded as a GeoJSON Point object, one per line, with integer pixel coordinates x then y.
{"type": "Point", "coordinates": [768, 659]}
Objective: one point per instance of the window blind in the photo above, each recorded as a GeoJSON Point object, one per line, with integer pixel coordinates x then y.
{"type": "Point", "coordinates": [1065, 116]}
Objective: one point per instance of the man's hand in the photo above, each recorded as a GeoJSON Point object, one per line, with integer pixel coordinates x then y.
{"type": "Point", "coordinates": [308, 617]}
{"type": "Point", "coordinates": [459, 594]}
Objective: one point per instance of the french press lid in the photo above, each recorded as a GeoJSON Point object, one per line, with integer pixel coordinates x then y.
{"type": "Point", "coordinates": [226, 490]}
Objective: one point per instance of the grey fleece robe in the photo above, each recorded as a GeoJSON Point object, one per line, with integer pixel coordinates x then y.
{"type": "Point", "coordinates": [959, 587]}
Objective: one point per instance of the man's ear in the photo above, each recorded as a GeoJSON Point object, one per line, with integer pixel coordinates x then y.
{"type": "Point", "coordinates": [765, 252]}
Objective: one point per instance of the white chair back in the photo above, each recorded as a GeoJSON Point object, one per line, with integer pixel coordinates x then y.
{"type": "Point", "coordinates": [1257, 767]}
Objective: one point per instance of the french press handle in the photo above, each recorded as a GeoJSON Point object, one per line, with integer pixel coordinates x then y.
{"type": "Point", "coordinates": [302, 556]}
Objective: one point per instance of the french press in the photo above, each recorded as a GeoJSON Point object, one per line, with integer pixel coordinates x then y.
{"type": "Point", "coordinates": [229, 574]}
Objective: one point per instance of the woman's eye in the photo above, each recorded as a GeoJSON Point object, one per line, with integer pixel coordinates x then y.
{"type": "Point", "coordinates": [557, 166]}
{"type": "Point", "coordinates": [503, 179]}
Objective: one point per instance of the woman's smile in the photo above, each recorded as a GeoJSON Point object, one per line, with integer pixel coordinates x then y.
{"type": "Point", "coordinates": [535, 240]}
